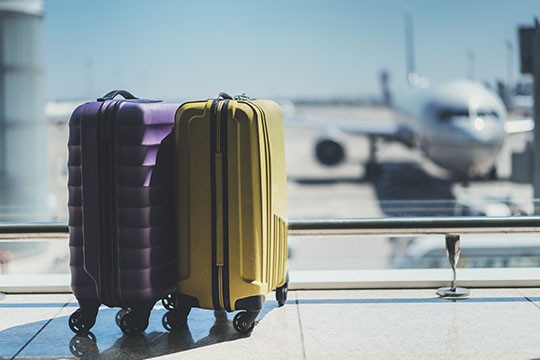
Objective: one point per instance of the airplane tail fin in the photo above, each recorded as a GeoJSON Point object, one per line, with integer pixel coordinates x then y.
{"type": "Point", "coordinates": [413, 78]}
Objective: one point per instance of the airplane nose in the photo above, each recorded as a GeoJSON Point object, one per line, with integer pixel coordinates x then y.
{"type": "Point", "coordinates": [468, 146]}
{"type": "Point", "coordinates": [485, 137]}
{"type": "Point", "coordinates": [482, 131]}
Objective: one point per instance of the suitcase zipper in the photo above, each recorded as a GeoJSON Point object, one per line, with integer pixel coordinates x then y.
{"type": "Point", "coordinates": [219, 210]}
{"type": "Point", "coordinates": [267, 268]}
{"type": "Point", "coordinates": [269, 228]}
{"type": "Point", "coordinates": [213, 207]}
{"type": "Point", "coordinates": [220, 287]}
{"type": "Point", "coordinates": [225, 177]}
{"type": "Point", "coordinates": [108, 243]}
{"type": "Point", "coordinates": [103, 244]}
{"type": "Point", "coordinates": [113, 230]}
{"type": "Point", "coordinates": [219, 189]}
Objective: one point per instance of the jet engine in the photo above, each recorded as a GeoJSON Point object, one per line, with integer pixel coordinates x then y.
{"type": "Point", "coordinates": [330, 149]}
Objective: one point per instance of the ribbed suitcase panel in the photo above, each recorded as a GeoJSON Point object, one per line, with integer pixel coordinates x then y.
{"type": "Point", "coordinates": [144, 204]}
{"type": "Point", "coordinates": [145, 135]}
{"type": "Point", "coordinates": [74, 156]}
{"type": "Point", "coordinates": [136, 155]}
{"type": "Point", "coordinates": [145, 207]}
{"type": "Point", "coordinates": [138, 196]}
{"type": "Point", "coordinates": [74, 174]}
{"type": "Point", "coordinates": [82, 284]}
{"type": "Point", "coordinates": [142, 237]}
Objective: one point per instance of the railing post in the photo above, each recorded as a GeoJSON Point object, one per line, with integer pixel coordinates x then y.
{"type": "Point", "coordinates": [453, 250]}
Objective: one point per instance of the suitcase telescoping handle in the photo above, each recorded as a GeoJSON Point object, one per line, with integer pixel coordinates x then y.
{"type": "Point", "coordinates": [112, 94]}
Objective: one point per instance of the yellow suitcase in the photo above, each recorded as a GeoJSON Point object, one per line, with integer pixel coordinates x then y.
{"type": "Point", "coordinates": [232, 207]}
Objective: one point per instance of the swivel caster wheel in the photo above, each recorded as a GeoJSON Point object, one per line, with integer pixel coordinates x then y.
{"type": "Point", "coordinates": [243, 323]}
{"type": "Point", "coordinates": [78, 325]}
{"type": "Point", "coordinates": [173, 321]}
{"type": "Point", "coordinates": [169, 302]}
{"type": "Point", "coordinates": [129, 325]}
{"type": "Point", "coordinates": [119, 315]}
{"type": "Point", "coordinates": [372, 171]}
{"type": "Point", "coordinates": [281, 294]}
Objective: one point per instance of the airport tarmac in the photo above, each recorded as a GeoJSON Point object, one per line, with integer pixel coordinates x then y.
{"type": "Point", "coordinates": [409, 185]}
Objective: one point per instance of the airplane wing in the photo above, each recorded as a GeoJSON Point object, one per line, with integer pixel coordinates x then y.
{"type": "Point", "coordinates": [388, 131]}
{"type": "Point", "coordinates": [516, 126]}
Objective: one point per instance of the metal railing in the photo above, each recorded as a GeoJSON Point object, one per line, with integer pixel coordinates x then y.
{"type": "Point", "coordinates": [33, 230]}
{"type": "Point", "coordinates": [349, 226]}
{"type": "Point", "coordinates": [450, 227]}
{"type": "Point", "coordinates": [414, 225]}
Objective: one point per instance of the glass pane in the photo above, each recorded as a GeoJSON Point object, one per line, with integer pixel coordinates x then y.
{"type": "Point", "coordinates": [364, 135]}
{"type": "Point", "coordinates": [411, 252]}
{"type": "Point", "coordinates": [34, 256]}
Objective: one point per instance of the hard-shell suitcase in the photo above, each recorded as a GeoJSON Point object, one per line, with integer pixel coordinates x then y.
{"type": "Point", "coordinates": [231, 205]}
{"type": "Point", "coordinates": [121, 210]}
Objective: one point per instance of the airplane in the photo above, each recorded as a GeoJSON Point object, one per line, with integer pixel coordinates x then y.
{"type": "Point", "coordinates": [460, 126]}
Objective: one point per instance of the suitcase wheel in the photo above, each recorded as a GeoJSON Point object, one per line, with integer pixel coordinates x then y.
{"type": "Point", "coordinates": [79, 324]}
{"type": "Point", "coordinates": [130, 325]}
{"type": "Point", "coordinates": [119, 315]}
{"type": "Point", "coordinates": [244, 321]}
{"type": "Point", "coordinates": [281, 294]}
{"type": "Point", "coordinates": [173, 320]}
{"type": "Point", "coordinates": [169, 302]}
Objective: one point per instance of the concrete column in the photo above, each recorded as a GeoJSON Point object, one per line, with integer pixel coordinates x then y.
{"type": "Point", "coordinates": [23, 127]}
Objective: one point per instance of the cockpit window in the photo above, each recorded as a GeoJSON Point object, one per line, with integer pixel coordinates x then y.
{"type": "Point", "coordinates": [447, 115]}
{"type": "Point", "coordinates": [488, 113]}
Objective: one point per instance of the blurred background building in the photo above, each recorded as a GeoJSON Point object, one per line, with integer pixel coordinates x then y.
{"type": "Point", "coordinates": [23, 127]}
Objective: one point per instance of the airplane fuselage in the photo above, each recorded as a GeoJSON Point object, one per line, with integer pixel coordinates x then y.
{"type": "Point", "coordinates": [459, 125]}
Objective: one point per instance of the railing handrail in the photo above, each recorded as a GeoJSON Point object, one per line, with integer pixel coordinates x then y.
{"type": "Point", "coordinates": [415, 225]}
{"type": "Point", "coordinates": [357, 226]}
{"type": "Point", "coordinates": [33, 228]}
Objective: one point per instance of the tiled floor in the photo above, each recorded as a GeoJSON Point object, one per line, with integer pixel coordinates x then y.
{"type": "Point", "coordinates": [345, 324]}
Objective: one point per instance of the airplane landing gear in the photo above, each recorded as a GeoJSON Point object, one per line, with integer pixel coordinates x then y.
{"type": "Point", "coordinates": [492, 174]}
{"type": "Point", "coordinates": [372, 171]}
{"type": "Point", "coordinates": [372, 168]}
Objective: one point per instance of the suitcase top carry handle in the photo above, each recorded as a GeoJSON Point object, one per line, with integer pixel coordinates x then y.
{"type": "Point", "coordinates": [224, 95]}
{"type": "Point", "coordinates": [112, 94]}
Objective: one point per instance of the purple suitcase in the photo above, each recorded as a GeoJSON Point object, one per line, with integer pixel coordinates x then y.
{"type": "Point", "coordinates": [121, 209]}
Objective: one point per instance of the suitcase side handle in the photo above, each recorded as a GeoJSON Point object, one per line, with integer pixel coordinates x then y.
{"type": "Point", "coordinates": [112, 94]}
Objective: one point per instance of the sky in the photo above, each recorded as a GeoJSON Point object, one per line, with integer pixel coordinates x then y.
{"type": "Point", "coordinates": [173, 49]}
